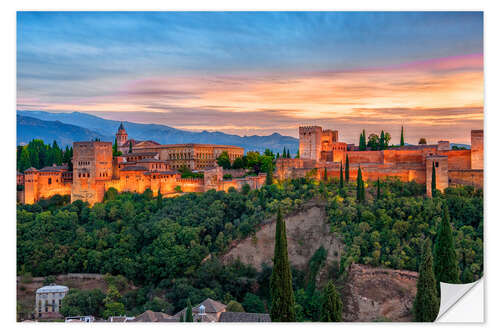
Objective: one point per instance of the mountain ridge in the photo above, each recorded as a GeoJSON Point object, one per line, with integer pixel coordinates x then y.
{"type": "Point", "coordinates": [165, 134]}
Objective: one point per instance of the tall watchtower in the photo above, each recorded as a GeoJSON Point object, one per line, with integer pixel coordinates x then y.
{"type": "Point", "coordinates": [476, 146]}
{"type": "Point", "coordinates": [92, 166]}
{"type": "Point", "coordinates": [121, 136]}
{"type": "Point", "coordinates": [310, 142]}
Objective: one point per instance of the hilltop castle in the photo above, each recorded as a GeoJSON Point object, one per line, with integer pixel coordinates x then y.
{"type": "Point", "coordinates": [142, 165]}
{"type": "Point", "coordinates": [150, 165]}
{"type": "Point", "coordinates": [320, 149]}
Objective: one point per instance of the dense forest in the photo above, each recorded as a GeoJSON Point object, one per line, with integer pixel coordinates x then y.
{"type": "Point", "coordinates": [169, 246]}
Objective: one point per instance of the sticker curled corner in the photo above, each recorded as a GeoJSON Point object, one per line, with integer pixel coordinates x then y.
{"type": "Point", "coordinates": [461, 302]}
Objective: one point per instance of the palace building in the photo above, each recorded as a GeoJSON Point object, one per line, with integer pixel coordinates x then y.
{"type": "Point", "coordinates": [142, 165]}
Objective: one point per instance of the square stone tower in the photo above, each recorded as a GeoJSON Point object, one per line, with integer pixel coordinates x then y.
{"type": "Point", "coordinates": [476, 147]}
{"type": "Point", "coordinates": [92, 167]}
{"type": "Point", "coordinates": [310, 142]}
{"type": "Point", "coordinates": [441, 166]}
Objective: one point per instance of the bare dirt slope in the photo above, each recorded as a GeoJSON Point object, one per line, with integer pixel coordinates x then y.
{"type": "Point", "coordinates": [306, 231]}
{"type": "Point", "coordinates": [378, 294]}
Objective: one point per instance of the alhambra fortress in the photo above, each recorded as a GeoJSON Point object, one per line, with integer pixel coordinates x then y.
{"type": "Point", "coordinates": [149, 165]}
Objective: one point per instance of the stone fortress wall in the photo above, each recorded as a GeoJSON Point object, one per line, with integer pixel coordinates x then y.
{"type": "Point", "coordinates": [153, 166]}
{"type": "Point", "coordinates": [408, 163]}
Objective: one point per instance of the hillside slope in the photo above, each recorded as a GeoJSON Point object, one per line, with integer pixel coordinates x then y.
{"type": "Point", "coordinates": [368, 293]}
{"type": "Point", "coordinates": [306, 232]}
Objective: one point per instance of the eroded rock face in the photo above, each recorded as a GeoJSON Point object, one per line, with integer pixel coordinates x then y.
{"type": "Point", "coordinates": [306, 231]}
{"type": "Point", "coordinates": [378, 294]}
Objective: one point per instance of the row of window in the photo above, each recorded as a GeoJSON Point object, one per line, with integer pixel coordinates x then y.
{"type": "Point", "coordinates": [81, 163]}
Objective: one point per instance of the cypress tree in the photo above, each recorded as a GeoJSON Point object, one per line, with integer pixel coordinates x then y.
{"type": "Point", "coordinates": [433, 181]}
{"type": "Point", "coordinates": [402, 142]}
{"type": "Point", "coordinates": [288, 153]}
{"type": "Point", "coordinates": [269, 177]}
{"type": "Point", "coordinates": [284, 152]}
{"type": "Point", "coordinates": [325, 176]}
{"type": "Point", "coordinates": [298, 153]}
{"type": "Point", "coordinates": [360, 194]}
{"type": "Point", "coordinates": [189, 312]}
{"type": "Point", "coordinates": [341, 179]}
{"type": "Point", "coordinates": [282, 300]}
{"type": "Point", "coordinates": [115, 148]}
{"type": "Point", "coordinates": [378, 188]}
{"type": "Point", "coordinates": [381, 142]}
{"type": "Point", "coordinates": [347, 168]}
{"type": "Point", "coordinates": [445, 264]}
{"type": "Point", "coordinates": [277, 155]}
{"type": "Point", "coordinates": [130, 147]}
{"type": "Point", "coordinates": [159, 200]}
{"type": "Point", "coordinates": [331, 304]}
{"type": "Point", "coordinates": [426, 303]}
{"type": "Point", "coordinates": [362, 140]}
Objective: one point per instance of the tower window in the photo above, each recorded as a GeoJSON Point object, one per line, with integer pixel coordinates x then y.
{"type": "Point", "coordinates": [50, 181]}
{"type": "Point", "coordinates": [437, 164]}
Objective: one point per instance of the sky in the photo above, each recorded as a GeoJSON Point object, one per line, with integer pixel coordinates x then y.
{"type": "Point", "coordinates": [260, 72]}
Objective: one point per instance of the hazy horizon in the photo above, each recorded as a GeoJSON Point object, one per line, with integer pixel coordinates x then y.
{"type": "Point", "coordinates": [260, 73]}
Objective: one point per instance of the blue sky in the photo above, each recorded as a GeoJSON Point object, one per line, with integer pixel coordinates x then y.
{"type": "Point", "coordinates": [99, 62]}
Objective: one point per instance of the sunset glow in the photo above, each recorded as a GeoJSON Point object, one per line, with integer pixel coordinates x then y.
{"type": "Point", "coordinates": [247, 73]}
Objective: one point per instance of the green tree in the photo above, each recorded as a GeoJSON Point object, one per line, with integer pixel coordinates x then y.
{"type": "Point", "coordinates": [130, 147]}
{"type": "Point", "coordinates": [284, 152]}
{"type": "Point", "coordinates": [113, 309]}
{"type": "Point", "coordinates": [223, 160]}
{"type": "Point", "coordinates": [402, 141]}
{"type": "Point", "coordinates": [239, 163]}
{"type": "Point", "coordinates": [115, 148]}
{"type": "Point", "coordinates": [445, 257]}
{"type": "Point", "coordinates": [269, 177]}
{"type": "Point", "coordinates": [282, 299]}
{"type": "Point", "coordinates": [426, 303]}
{"type": "Point", "coordinates": [433, 181]}
{"type": "Point", "coordinates": [378, 188]}
{"type": "Point", "coordinates": [341, 177]}
{"type": "Point", "coordinates": [362, 141]}
{"type": "Point", "coordinates": [288, 153]}
{"type": "Point", "coordinates": [325, 176]}
{"type": "Point", "coordinates": [382, 143]}
{"type": "Point", "coordinates": [24, 160]}
{"type": "Point", "coordinates": [159, 200]}
{"type": "Point", "coordinates": [234, 306]}
{"type": "Point", "coordinates": [360, 194]}
{"type": "Point", "coordinates": [188, 317]}
{"type": "Point", "coordinates": [373, 141]}
{"type": "Point", "coordinates": [347, 168]}
{"type": "Point", "coordinates": [252, 303]}
{"type": "Point", "coordinates": [331, 304]}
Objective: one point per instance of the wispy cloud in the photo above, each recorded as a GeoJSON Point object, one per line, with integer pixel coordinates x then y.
{"type": "Point", "coordinates": [258, 73]}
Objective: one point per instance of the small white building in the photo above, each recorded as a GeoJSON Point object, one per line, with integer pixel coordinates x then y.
{"type": "Point", "coordinates": [48, 300]}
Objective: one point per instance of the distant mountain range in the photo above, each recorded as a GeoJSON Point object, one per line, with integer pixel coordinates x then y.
{"type": "Point", "coordinates": [66, 128]}
{"type": "Point", "coordinates": [29, 128]}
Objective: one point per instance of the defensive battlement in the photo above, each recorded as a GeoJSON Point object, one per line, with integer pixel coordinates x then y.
{"type": "Point", "coordinates": [307, 129]}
